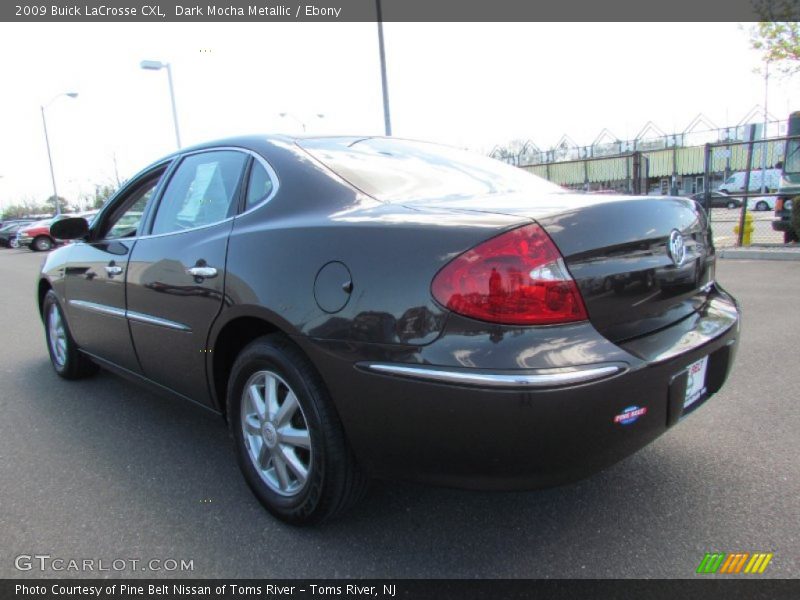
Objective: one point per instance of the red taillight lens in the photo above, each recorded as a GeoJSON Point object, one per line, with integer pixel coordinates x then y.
{"type": "Point", "coordinates": [517, 278]}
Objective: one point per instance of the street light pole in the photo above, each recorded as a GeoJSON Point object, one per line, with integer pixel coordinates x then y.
{"type": "Point", "coordinates": [387, 120]}
{"type": "Point", "coordinates": [174, 109]}
{"type": "Point", "coordinates": [49, 153]}
{"type": "Point", "coordinates": [156, 65]}
{"type": "Point", "coordinates": [50, 160]}
{"type": "Point", "coordinates": [302, 124]}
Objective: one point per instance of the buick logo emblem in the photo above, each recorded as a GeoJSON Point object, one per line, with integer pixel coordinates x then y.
{"type": "Point", "coordinates": [676, 249]}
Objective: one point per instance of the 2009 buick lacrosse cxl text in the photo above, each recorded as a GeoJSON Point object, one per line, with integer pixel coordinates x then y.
{"type": "Point", "coordinates": [375, 307]}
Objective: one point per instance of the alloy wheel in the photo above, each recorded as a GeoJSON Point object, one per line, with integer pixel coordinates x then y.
{"type": "Point", "coordinates": [57, 336]}
{"type": "Point", "coordinates": [276, 433]}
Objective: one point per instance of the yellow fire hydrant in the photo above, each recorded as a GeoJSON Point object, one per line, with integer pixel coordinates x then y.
{"type": "Point", "coordinates": [749, 228]}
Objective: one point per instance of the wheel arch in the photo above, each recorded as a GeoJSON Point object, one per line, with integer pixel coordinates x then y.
{"type": "Point", "coordinates": [229, 337]}
{"type": "Point", "coordinates": [42, 289]}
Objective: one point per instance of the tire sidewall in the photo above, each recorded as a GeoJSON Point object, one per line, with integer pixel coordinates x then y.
{"type": "Point", "coordinates": [51, 300]}
{"type": "Point", "coordinates": [48, 244]}
{"type": "Point", "coordinates": [263, 356]}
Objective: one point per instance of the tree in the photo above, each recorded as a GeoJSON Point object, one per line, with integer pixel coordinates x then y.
{"type": "Point", "coordinates": [103, 193]}
{"type": "Point", "coordinates": [25, 208]}
{"type": "Point", "coordinates": [50, 203]}
{"type": "Point", "coordinates": [777, 36]}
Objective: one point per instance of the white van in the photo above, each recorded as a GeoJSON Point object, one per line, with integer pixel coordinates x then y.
{"type": "Point", "coordinates": [735, 183]}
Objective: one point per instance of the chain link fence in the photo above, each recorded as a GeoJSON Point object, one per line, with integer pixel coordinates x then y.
{"type": "Point", "coordinates": [738, 181]}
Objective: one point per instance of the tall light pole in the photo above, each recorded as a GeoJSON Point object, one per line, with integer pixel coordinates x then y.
{"type": "Point", "coordinates": [302, 124]}
{"type": "Point", "coordinates": [387, 120]}
{"type": "Point", "coordinates": [155, 65]}
{"type": "Point", "coordinates": [47, 143]}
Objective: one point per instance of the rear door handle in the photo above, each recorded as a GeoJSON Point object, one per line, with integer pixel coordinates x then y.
{"type": "Point", "coordinates": [204, 272]}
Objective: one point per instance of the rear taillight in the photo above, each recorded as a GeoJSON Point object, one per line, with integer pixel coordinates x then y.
{"type": "Point", "coordinates": [517, 278]}
{"type": "Point", "coordinates": [779, 205]}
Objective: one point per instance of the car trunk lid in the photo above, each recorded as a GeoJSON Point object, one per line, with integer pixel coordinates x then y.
{"type": "Point", "coordinates": [624, 253]}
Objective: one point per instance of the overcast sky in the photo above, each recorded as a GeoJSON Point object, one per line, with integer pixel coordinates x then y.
{"type": "Point", "coordinates": [467, 84]}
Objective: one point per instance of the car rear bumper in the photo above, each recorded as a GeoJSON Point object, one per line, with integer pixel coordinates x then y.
{"type": "Point", "coordinates": [524, 428]}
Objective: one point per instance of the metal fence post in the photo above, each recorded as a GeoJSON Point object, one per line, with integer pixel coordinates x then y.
{"type": "Point", "coordinates": [586, 185]}
{"type": "Point", "coordinates": [674, 183]}
{"type": "Point", "coordinates": [751, 132]}
{"type": "Point", "coordinates": [706, 178]}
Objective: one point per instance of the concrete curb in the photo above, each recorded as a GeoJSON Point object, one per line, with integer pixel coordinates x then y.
{"type": "Point", "coordinates": [792, 253]}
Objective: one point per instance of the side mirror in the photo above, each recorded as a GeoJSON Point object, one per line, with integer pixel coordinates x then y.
{"type": "Point", "coordinates": [71, 228]}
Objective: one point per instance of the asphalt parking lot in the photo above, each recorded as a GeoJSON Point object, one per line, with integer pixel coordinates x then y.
{"type": "Point", "coordinates": [102, 469]}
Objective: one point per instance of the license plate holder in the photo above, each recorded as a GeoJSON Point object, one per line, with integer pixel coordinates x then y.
{"type": "Point", "coordinates": [695, 382]}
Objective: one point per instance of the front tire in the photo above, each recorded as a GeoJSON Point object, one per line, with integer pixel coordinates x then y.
{"type": "Point", "coordinates": [42, 243]}
{"type": "Point", "coordinates": [67, 360]}
{"type": "Point", "coordinates": [289, 441]}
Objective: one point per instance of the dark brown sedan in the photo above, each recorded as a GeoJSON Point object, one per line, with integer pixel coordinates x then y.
{"type": "Point", "coordinates": [373, 307]}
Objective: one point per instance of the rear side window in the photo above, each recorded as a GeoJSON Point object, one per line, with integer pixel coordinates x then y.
{"type": "Point", "coordinates": [202, 191]}
{"type": "Point", "coordinates": [395, 170]}
{"type": "Point", "coordinates": [259, 186]}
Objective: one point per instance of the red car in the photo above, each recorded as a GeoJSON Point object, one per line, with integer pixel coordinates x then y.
{"type": "Point", "coordinates": [36, 236]}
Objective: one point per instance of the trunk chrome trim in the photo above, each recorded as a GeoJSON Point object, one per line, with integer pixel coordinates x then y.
{"type": "Point", "coordinates": [129, 314]}
{"type": "Point", "coordinates": [543, 379]}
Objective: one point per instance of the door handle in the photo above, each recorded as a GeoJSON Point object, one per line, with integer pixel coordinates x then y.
{"type": "Point", "coordinates": [204, 272]}
{"type": "Point", "coordinates": [112, 270]}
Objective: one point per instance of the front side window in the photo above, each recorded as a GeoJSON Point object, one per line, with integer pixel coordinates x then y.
{"type": "Point", "coordinates": [202, 191]}
{"type": "Point", "coordinates": [125, 221]}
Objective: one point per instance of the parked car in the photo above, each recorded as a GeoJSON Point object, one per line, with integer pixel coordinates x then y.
{"type": "Point", "coordinates": [8, 232]}
{"type": "Point", "coordinates": [761, 203]}
{"type": "Point", "coordinates": [718, 200]}
{"type": "Point", "coordinates": [364, 306]}
{"type": "Point", "coordinates": [735, 183]}
{"type": "Point", "coordinates": [37, 236]}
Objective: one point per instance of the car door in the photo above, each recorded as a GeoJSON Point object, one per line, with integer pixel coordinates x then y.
{"type": "Point", "coordinates": [176, 278]}
{"type": "Point", "coordinates": [96, 271]}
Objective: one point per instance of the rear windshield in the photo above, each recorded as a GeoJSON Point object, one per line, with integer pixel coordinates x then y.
{"type": "Point", "coordinates": [395, 170]}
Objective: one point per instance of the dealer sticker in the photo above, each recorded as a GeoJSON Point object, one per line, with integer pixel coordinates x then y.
{"type": "Point", "coordinates": [630, 415]}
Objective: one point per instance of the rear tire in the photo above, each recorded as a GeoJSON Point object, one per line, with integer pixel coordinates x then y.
{"type": "Point", "coordinates": [762, 206]}
{"type": "Point", "coordinates": [290, 443]}
{"type": "Point", "coordinates": [68, 362]}
{"type": "Point", "coordinates": [41, 243]}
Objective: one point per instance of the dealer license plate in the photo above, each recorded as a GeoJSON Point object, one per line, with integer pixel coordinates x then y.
{"type": "Point", "coordinates": [696, 384]}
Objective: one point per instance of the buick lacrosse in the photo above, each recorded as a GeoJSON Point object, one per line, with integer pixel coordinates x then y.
{"type": "Point", "coordinates": [375, 307]}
